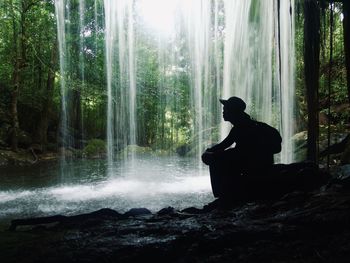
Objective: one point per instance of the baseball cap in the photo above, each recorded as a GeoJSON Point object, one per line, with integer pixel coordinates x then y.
{"type": "Point", "coordinates": [234, 103]}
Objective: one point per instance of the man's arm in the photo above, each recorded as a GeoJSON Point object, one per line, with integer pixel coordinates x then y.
{"type": "Point", "coordinates": [209, 155]}
{"type": "Point", "coordinates": [227, 142]}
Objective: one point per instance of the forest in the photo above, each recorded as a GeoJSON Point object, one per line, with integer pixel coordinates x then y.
{"type": "Point", "coordinates": [31, 97]}
{"type": "Point", "coordinates": [106, 107]}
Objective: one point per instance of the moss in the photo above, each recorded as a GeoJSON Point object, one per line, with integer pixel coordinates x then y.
{"type": "Point", "coordinates": [95, 148]}
{"type": "Point", "coordinates": [134, 149]}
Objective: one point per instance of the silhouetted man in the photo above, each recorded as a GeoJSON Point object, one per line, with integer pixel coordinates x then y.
{"type": "Point", "coordinates": [255, 143]}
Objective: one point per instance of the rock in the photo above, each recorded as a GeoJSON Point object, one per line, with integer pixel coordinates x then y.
{"type": "Point", "coordinates": [281, 179]}
{"type": "Point", "coordinates": [24, 139]}
{"type": "Point", "coordinates": [138, 212]}
{"type": "Point", "coordinates": [345, 157]}
{"type": "Point", "coordinates": [68, 153]}
{"type": "Point", "coordinates": [182, 150]}
{"type": "Point", "coordinates": [19, 158]}
{"type": "Point", "coordinates": [166, 211]}
{"type": "Point", "coordinates": [95, 148]}
{"type": "Point", "coordinates": [344, 172]}
{"type": "Point", "coordinates": [341, 179]}
{"type": "Point", "coordinates": [106, 212]}
{"type": "Point", "coordinates": [192, 210]}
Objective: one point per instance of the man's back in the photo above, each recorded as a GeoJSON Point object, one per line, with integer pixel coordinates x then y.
{"type": "Point", "coordinates": [257, 141]}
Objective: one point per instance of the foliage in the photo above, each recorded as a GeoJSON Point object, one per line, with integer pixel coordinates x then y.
{"type": "Point", "coordinates": [339, 115]}
{"type": "Point", "coordinates": [95, 147]}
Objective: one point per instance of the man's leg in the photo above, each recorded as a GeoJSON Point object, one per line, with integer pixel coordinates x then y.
{"type": "Point", "coordinates": [225, 174]}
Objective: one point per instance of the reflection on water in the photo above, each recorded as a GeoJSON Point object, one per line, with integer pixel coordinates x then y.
{"type": "Point", "coordinates": [148, 182]}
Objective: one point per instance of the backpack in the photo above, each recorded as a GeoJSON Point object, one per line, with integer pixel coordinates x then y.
{"type": "Point", "coordinates": [270, 137]}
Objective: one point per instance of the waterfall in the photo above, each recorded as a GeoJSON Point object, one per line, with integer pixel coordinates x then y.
{"type": "Point", "coordinates": [199, 38]}
{"type": "Point", "coordinates": [287, 82]}
{"type": "Point", "coordinates": [121, 76]}
{"type": "Point", "coordinates": [258, 63]}
{"type": "Point", "coordinates": [60, 8]}
{"type": "Point", "coordinates": [218, 48]}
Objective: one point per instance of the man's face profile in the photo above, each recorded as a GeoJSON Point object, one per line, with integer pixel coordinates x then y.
{"type": "Point", "coordinates": [227, 113]}
{"type": "Point", "coordinates": [230, 114]}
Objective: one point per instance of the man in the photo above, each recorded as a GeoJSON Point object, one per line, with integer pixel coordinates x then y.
{"type": "Point", "coordinates": [254, 142]}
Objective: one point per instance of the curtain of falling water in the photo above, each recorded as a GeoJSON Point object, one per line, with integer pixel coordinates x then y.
{"type": "Point", "coordinates": [248, 55]}
{"type": "Point", "coordinates": [60, 8]}
{"type": "Point", "coordinates": [203, 39]}
{"type": "Point", "coordinates": [287, 82]}
{"type": "Point", "coordinates": [121, 76]}
{"type": "Point", "coordinates": [109, 39]}
{"type": "Point", "coordinates": [251, 43]}
{"type": "Point", "coordinates": [82, 33]}
{"type": "Point", "coordinates": [233, 48]}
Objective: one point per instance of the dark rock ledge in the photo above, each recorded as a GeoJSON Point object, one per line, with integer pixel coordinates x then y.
{"type": "Point", "coordinates": [299, 227]}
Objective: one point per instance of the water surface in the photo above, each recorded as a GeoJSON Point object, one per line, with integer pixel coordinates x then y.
{"type": "Point", "coordinates": [85, 186]}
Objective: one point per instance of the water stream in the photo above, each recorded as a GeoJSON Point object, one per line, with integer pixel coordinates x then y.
{"type": "Point", "coordinates": [151, 182]}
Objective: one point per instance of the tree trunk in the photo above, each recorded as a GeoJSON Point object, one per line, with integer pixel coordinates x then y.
{"type": "Point", "coordinates": [346, 25]}
{"type": "Point", "coordinates": [76, 119]}
{"type": "Point", "coordinates": [41, 132]}
{"type": "Point", "coordinates": [14, 113]}
{"type": "Point", "coordinates": [15, 80]}
{"type": "Point", "coordinates": [312, 65]}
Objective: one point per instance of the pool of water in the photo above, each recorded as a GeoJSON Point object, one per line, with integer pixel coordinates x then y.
{"type": "Point", "coordinates": [87, 185]}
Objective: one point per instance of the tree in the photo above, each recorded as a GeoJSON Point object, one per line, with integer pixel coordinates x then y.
{"type": "Point", "coordinates": [312, 64]}
{"type": "Point", "coordinates": [41, 131]}
{"type": "Point", "coordinates": [346, 26]}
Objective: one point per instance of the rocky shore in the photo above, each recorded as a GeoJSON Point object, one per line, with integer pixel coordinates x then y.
{"type": "Point", "coordinates": [302, 226]}
{"type": "Point", "coordinates": [24, 157]}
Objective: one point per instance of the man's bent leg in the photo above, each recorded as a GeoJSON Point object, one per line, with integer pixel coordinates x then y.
{"type": "Point", "coordinates": [224, 173]}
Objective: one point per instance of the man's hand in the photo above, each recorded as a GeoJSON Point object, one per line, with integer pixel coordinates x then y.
{"type": "Point", "coordinates": [208, 157]}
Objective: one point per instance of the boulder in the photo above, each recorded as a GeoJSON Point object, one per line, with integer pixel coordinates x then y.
{"type": "Point", "coordinates": [19, 158]}
{"type": "Point", "coordinates": [281, 179]}
{"type": "Point", "coordinates": [137, 212]}
{"type": "Point", "coordinates": [183, 149]}
{"type": "Point", "coordinates": [24, 139]}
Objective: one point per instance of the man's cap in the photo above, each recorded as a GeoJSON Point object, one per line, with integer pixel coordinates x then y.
{"type": "Point", "coordinates": [234, 103]}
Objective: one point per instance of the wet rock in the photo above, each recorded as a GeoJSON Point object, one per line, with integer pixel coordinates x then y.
{"type": "Point", "coordinates": [138, 212]}
{"type": "Point", "coordinates": [166, 211]}
{"type": "Point", "coordinates": [68, 153]}
{"type": "Point", "coordinates": [345, 172]}
{"type": "Point", "coordinates": [192, 210]}
{"type": "Point", "coordinates": [182, 150]}
{"type": "Point", "coordinates": [19, 158]}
